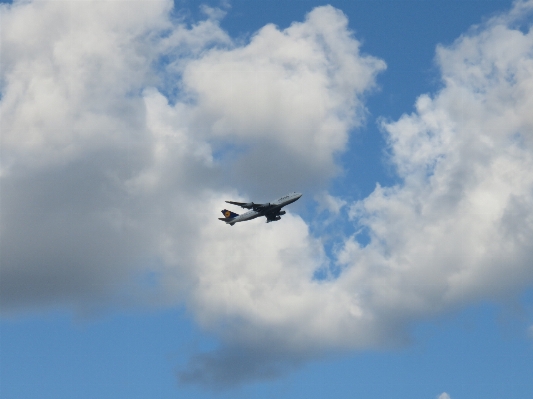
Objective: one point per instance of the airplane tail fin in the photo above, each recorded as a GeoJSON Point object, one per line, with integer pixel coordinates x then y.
{"type": "Point", "coordinates": [228, 215]}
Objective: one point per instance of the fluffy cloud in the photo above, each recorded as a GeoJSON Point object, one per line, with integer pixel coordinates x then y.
{"type": "Point", "coordinates": [458, 229]}
{"type": "Point", "coordinates": [123, 131]}
{"type": "Point", "coordinates": [70, 131]}
{"type": "Point", "coordinates": [444, 395]}
{"type": "Point", "coordinates": [289, 96]}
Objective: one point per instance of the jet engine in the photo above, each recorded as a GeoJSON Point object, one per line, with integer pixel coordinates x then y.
{"type": "Point", "coordinates": [275, 218]}
{"type": "Point", "coordinates": [281, 213]}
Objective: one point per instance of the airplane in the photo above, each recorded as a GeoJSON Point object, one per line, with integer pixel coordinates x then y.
{"type": "Point", "coordinates": [271, 210]}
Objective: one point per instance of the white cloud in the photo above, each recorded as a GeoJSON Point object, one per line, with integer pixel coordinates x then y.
{"type": "Point", "coordinates": [69, 129]}
{"type": "Point", "coordinates": [291, 95]}
{"type": "Point", "coordinates": [330, 203]}
{"type": "Point", "coordinates": [105, 178]}
{"type": "Point", "coordinates": [92, 158]}
{"type": "Point", "coordinates": [100, 171]}
{"type": "Point", "coordinates": [458, 229]}
{"type": "Point", "coordinates": [444, 395]}
{"type": "Point", "coordinates": [68, 72]}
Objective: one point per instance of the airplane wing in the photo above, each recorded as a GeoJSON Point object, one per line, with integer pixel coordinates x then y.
{"type": "Point", "coordinates": [245, 205]}
{"type": "Point", "coordinates": [249, 205]}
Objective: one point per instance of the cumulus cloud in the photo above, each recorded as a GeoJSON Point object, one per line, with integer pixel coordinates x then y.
{"type": "Point", "coordinates": [289, 96]}
{"type": "Point", "coordinates": [456, 230]}
{"type": "Point", "coordinates": [459, 228]}
{"type": "Point", "coordinates": [70, 131]}
{"type": "Point", "coordinates": [444, 395]}
{"type": "Point", "coordinates": [123, 130]}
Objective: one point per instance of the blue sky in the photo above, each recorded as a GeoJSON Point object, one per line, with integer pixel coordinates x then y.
{"type": "Point", "coordinates": [405, 269]}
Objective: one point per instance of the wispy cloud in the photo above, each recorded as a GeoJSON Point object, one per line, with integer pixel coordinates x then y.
{"type": "Point", "coordinates": [327, 202]}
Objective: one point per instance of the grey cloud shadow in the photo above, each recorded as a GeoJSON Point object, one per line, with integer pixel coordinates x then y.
{"type": "Point", "coordinates": [233, 365]}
